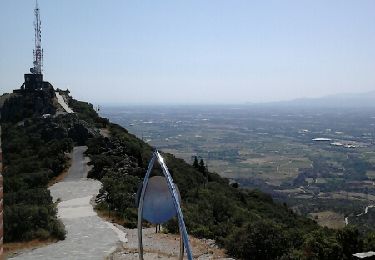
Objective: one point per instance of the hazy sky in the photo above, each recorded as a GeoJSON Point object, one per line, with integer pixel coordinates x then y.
{"type": "Point", "coordinates": [193, 51]}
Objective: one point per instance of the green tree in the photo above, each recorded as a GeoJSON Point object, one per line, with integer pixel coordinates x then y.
{"type": "Point", "coordinates": [195, 163]}
{"type": "Point", "coordinates": [201, 166]}
{"type": "Point", "coordinates": [262, 239]}
{"type": "Point", "coordinates": [319, 245]}
{"type": "Point", "coordinates": [369, 242]}
{"type": "Point", "coordinates": [350, 240]}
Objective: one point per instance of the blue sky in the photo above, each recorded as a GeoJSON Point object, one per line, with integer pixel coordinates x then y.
{"type": "Point", "coordinates": [193, 51]}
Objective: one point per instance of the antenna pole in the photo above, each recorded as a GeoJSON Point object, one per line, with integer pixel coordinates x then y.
{"type": "Point", "coordinates": [38, 51]}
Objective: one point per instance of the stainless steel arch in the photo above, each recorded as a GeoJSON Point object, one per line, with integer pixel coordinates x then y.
{"type": "Point", "coordinates": [183, 232]}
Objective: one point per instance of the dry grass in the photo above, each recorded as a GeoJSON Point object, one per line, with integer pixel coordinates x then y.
{"type": "Point", "coordinates": [12, 249]}
{"type": "Point", "coordinates": [104, 214]}
{"type": "Point", "coordinates": [105, 132]}
{"type": "Point", "coordinates": [164, 246]}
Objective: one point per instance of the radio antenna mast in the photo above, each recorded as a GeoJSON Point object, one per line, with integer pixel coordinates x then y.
{"type": "Point", "coordinates": [38, 51]}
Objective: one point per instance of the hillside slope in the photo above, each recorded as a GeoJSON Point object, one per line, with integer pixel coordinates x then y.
{"type": "Point", "coordinates": [248, 223]}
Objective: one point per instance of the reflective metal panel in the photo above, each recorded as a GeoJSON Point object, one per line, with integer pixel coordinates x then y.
{"type": "Point", "coordinates": [158, 202]}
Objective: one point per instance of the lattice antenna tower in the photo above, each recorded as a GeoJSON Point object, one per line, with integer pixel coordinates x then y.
{"type": "Point", "coordinates": [38, 51]}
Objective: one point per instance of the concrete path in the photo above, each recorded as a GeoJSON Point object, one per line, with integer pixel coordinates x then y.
{"type": "Point", "coordinates": [88, 236]}
{"type": "Point", "coordinates": [62, 103]}
{"type": "Point", "coordinates": [79, 168]}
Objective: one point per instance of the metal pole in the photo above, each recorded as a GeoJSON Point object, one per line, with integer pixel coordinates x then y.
{"type": "Point", "coordinates": [140, 206]}
{"type": "Point", "coordinates": [177, 205]}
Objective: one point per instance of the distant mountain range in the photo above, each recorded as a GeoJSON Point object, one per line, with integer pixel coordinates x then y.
{"type": "Point", "coordinates": [355, 100]}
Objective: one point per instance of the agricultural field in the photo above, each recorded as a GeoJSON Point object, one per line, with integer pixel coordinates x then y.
{"type": "Point", "coordinates": [307, 158]}
{"type": "Point", "coordinates": [329, 219]}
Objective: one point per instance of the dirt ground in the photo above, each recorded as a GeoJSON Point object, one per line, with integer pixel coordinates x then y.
{"type": "Point", "coordinates": [164, 246]}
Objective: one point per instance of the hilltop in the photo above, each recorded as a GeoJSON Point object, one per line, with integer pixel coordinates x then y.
{"type": "Point", "coordinates": [37, 135]}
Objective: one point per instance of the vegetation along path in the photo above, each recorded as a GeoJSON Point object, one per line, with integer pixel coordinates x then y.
{"type": "Point", "coordinates": [88, 236]}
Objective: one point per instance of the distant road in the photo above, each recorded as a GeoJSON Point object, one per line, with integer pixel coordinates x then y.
{"type": "Point", "coordinates": [88, 236]}
{"type": "Point", "coordinates": [360, 214]}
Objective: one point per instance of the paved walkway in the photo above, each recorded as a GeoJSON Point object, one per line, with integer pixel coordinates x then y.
{"type": "Point", "coordinates": [62, 103]}
{"type": "Point", "coordinates": [88, 236]}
